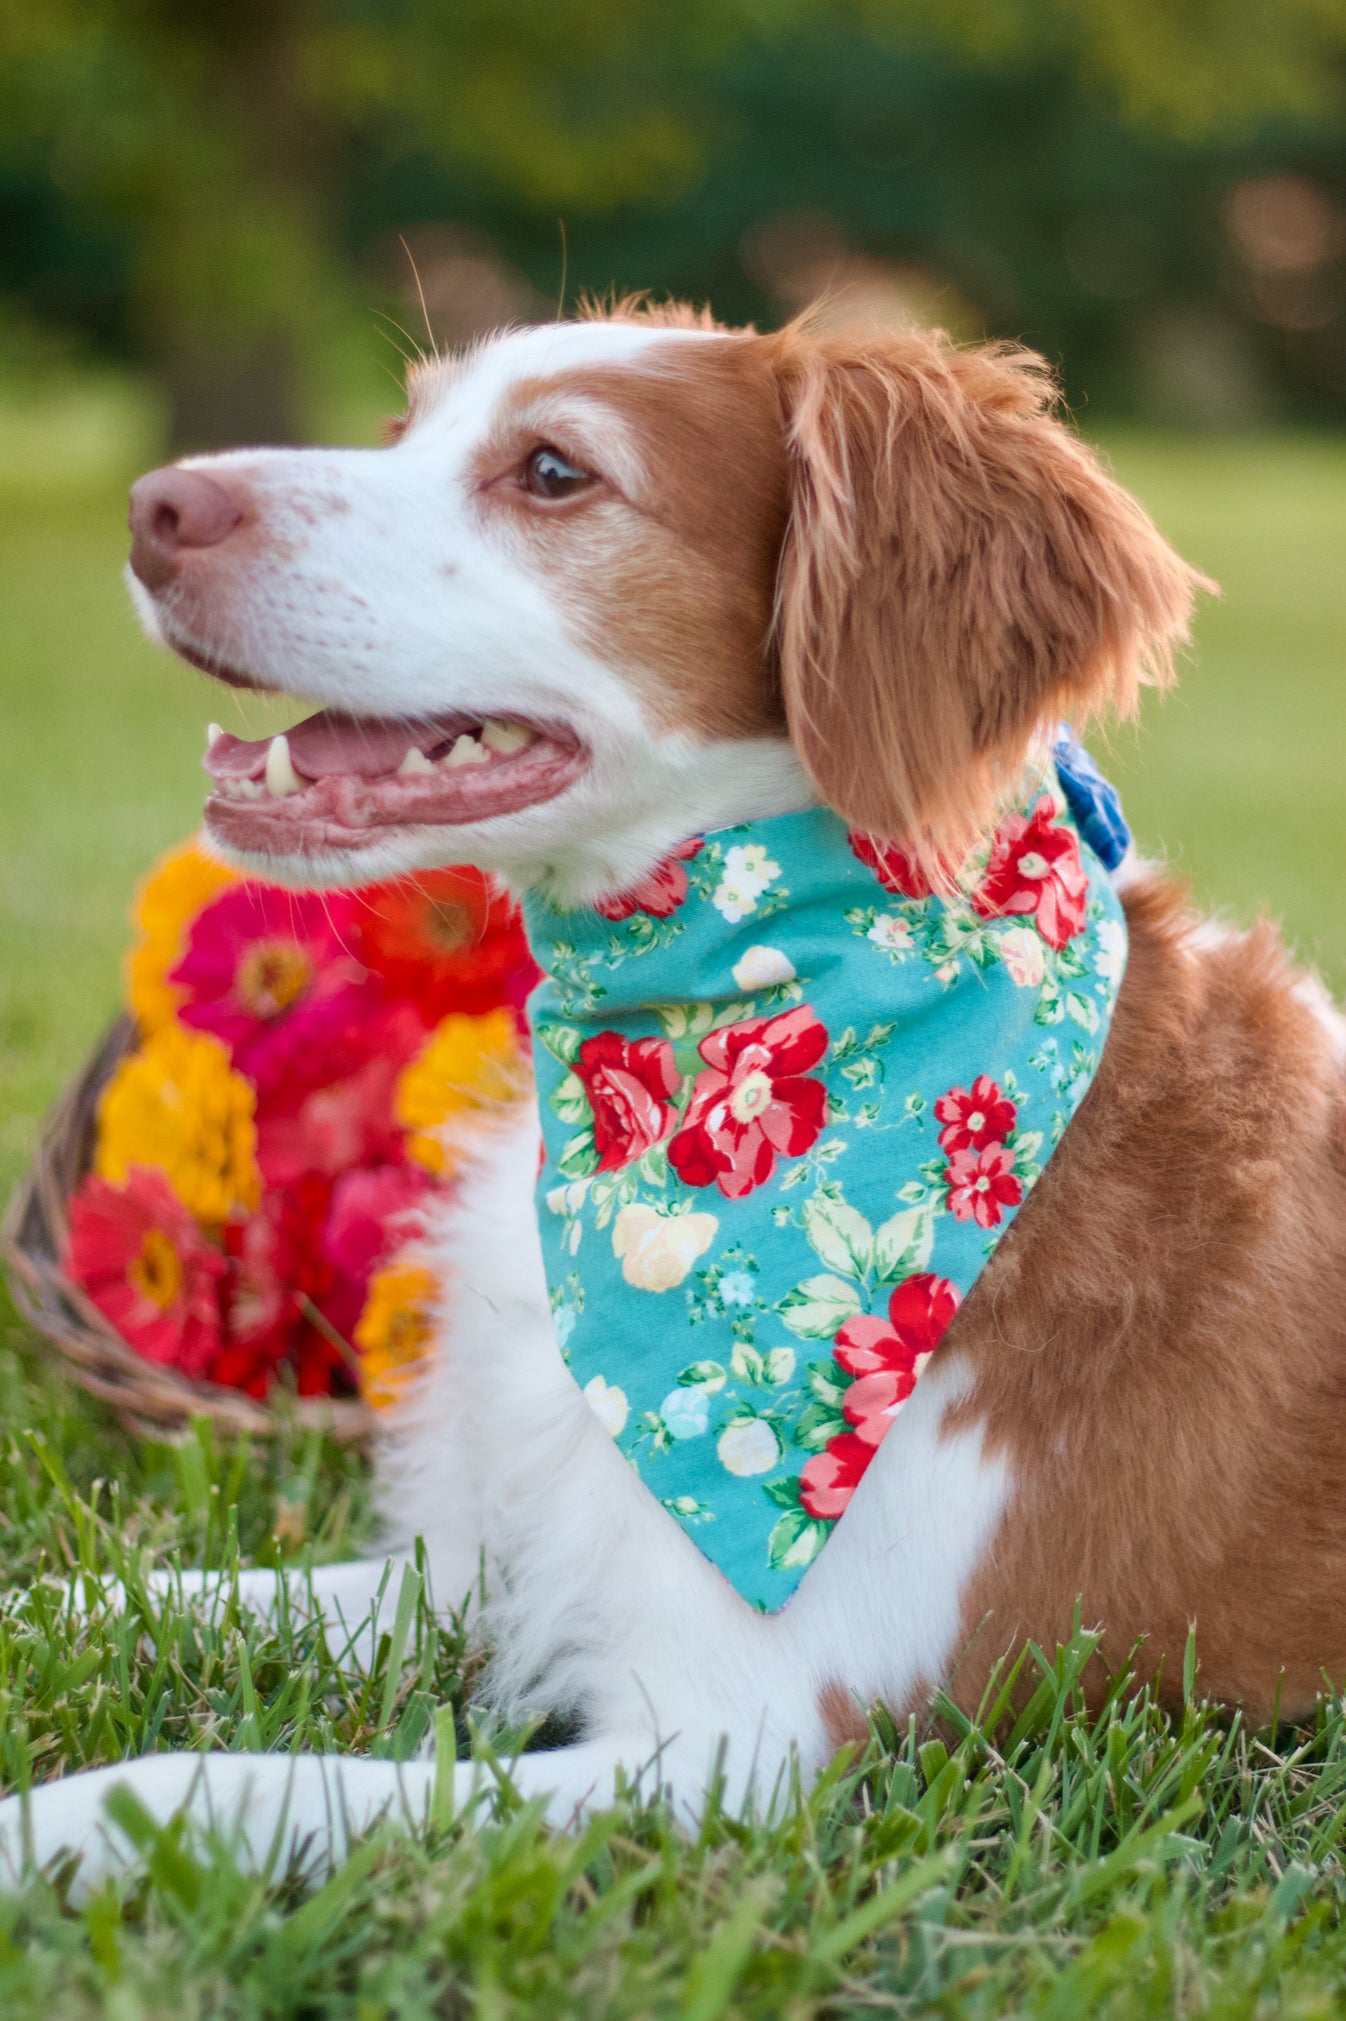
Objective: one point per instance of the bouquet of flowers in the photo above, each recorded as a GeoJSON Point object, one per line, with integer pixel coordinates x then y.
{"type": "Point", "coordinates": [309, 1070]}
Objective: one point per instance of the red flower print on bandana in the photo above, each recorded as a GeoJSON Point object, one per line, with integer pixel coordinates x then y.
{"type": "Point", "coordinates": [659, 893]}
{"type": "Point", "coordinates": [752, 1103]}
{"type": "Point", "coordinates": [892, 866]}
{"type": "Point", "coordinates": [885, 1356]}
{"type": "Point", "coordinates": [982, 1184]}
{"type": "Point", "coordinates": [975, 1117]}
{"type": "Point", "coordinates": [1035, 869]}
{"type": "Point", "coordinates": [629, 1083]}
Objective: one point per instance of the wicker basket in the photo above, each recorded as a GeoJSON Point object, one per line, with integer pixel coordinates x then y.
{"type": "Point", "coordinates": [146, 1397]}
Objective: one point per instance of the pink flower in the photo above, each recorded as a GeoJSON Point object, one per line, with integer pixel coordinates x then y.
{"type": "Point", "coordinates": [832, 1476]}
{"type": "Point", "coordinates": [145, 1263]}
{"type": "Point", "coordinates": [752, 1104]}
{"type": "Point", "coordinates": [659, 892]}
{"type": "Point", "coordinates": [629, 1083]}
{"type": "Point", "coordinates": [351, 1122]}
{"type": "Point", "coordinates": [374, 1212]}
{"type": "Point", "coordinates": [982, 1184]}
{"type": "Point", "coordinates": [270, 973]}
{"type": "Point", "coordinates": [1035, 869]}
{"type": "Point", "coordinates": [975, 1117]}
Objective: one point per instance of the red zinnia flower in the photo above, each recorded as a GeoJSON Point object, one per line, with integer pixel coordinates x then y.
{"type": "Point", "coordinates": [982, 1184]}
{"type": "Point", "coordinates": [374, 1212]}
{"type": "Point", "coordinates": [145, 1263]}
{"type": "Point", "coordinates": [752, 1102]}
{"type": "Point", "coordinates": [885, 1356]}
{"type": "Point", "coordinates": [894, 869]}
{"type": "Point", "coordinates": [349, 1121]}
{"type": "Point", "coordinates": [449, 940]}
{"type": "Point", "coordinates": [286, 1299]}
{"type": "Point", "coordinates": [1035, 869]}
{"type": "Point", "coordinates": [270, 972]}
{"type": "Point", "coordinates": [629, 1083]}
{"type": "Point", "coordinates": [975, 1117]}
{"type": "Point", "coordinates": [659, 892]}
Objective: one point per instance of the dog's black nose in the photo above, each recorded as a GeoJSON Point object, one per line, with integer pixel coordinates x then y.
{"type": "Point", "coordinates": [173, 509]}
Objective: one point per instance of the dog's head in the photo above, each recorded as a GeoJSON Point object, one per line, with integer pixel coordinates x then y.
{"type": "Point", "coordinates": [616, 581]}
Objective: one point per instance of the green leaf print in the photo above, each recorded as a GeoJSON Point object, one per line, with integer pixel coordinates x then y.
{"type": "Point", "coordinates": [569, 1100]}
{"type": "Point", "coordinates": [707, 1375]}
{"type": "Point", "coordinates": [579, 1155]}
{"type": "Point", "coordinates": [903, 1244]}
{"type": "Point", "coordinates": [841, 1237]}
{"type": "Point", "coordinates": [795, 1540]}
{"type": "Point", "coordinates": [562, 1041]}
{"type": "Point", "coordinates": [817, 1307]}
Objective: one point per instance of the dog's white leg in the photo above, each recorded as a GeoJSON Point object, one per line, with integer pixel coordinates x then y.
{"type": "Point", "coordinates": [354, 1601]}
{"type": "Point", "coordinates": [271, 1808]}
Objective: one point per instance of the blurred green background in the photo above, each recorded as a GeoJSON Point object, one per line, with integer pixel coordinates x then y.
{"type": "Point", "coordinates": [228, 220]}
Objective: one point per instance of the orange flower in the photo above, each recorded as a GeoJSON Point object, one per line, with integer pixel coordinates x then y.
{"type": "Point", "coordinates": [450, 940]}
{"type": "Point", "coordinates": [167, 902]}
{"type": "Point", "coordinates": [395, 1332]}
{"type": "Point", "coordinates": [177, 1105]}
{"type": "Point", "coordinates": [470, 1069]}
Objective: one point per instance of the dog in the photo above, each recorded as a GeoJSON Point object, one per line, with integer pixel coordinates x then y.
{"type": "Point", "coordinates": [636, 578]}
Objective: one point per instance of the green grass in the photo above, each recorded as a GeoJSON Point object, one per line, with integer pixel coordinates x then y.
{"type": "Point", "coordinates": [1124, 1866]}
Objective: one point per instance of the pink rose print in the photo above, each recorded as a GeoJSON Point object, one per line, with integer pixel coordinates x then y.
{"type": "Point", "coordinates": [1035, 869]}
{"type": "Point", "coordinates": [975, 1117]}
{"type": "Point", "coordinates": [659, 893]}
{"type": "Point", "coordinates": [752, 1103]}
{"type": "Point", "coordinates": [629, 1083]}
{"type": "Point", "coordinates": [982, 1184]}
{"type": "Point", "coordinates": [885, 1356]}
{"type": "Point", "coordinates": [891, 865]}
{"type": "Point", "coordinates": [832, 1476]}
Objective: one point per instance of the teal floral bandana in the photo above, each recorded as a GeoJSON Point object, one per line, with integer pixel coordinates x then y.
{"type": "Point", "coordinates": [791, 1101]}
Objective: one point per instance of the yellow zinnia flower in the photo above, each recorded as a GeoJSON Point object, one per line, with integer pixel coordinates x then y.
{"type": "Point", "coordinates": [168, 900]}
{"type": "Point", "coordinates": [469, 1067]}
{"type": "Point", "coordinates": [177, 1105]}
{"type": "Point", "coordinates": [395, 1331]}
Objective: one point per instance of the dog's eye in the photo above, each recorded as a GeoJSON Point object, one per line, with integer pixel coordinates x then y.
{"type": "Point", "coordinates": [548, 474]}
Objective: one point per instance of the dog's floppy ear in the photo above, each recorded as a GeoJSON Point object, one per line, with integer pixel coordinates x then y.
{"type": "Point", "coordinates": [957, 571]}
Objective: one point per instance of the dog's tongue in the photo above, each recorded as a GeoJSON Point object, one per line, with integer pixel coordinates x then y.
{"type": "Point", "coordinates": [365, 747]}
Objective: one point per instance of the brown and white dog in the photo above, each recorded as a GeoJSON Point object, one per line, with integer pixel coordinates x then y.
{"type": "Point", "coordinates": [618, 581]}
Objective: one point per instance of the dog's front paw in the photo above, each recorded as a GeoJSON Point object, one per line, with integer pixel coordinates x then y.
{"type": "Point", "coordinates": [61, 1819]}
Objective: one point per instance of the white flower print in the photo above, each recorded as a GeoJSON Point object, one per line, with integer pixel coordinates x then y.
{"type": "Point", "coordinates": [738, 1287]}
{"type": "Point", "coordinates": [1111, 958]}
{"type": "Point", "coordinates": [608, 1404]}
{"type": "Point", "coordinates": [892, 933]}
{"type": "Point", "coordinates": [759, 967]}
{"type": "Point", "coordinates": [1024, 956]}
{"type": "Point", "coordinates": [747, 872]}
{"type": "Point", "coordinates": [657, 1250]}
{"type": "Point", "coordinates": [748, 1448]}
{"type": "Point", "coordinates": [685, 1412]}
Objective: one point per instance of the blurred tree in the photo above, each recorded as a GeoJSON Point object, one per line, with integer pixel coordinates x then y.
{"type": "Point", "coordinates": [218, 141]}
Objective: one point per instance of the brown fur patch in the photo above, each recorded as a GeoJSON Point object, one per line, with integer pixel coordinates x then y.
{"type": "Point", "coordinates": [670, 579]}
{"type": "Point", "coordinates": [1159, 1343]}
{"type": "Point", "coordinates": [843, 1719]}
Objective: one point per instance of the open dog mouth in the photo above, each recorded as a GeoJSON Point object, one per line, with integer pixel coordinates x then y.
{"type": "Point", "coordinates": [334, 780]}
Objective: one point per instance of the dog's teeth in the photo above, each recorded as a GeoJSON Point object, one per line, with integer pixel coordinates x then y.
{"type": "Point", "coordinates": [413, 764]}
{"type": "Point", "coordinates": [281, 777]}
{"type": "Point", "coordinates": [213, 731]}
{"type": "Point", "coordinates": [506, 738]}
{"type": "Point", "coordinates": [250, 789]}
{"type": "Point", "coordinates": [467, 751]}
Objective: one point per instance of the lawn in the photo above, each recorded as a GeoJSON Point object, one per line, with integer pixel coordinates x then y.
{"type": "Point", "coordinates": [1124, 1866]}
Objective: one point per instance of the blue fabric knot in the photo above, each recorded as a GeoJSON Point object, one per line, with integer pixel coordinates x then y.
{"type": "Point", "coordinates": [1095, 804]}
